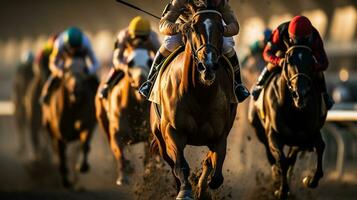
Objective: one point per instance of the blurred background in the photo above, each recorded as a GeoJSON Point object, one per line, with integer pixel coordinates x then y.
{"type": "Point", "coordinates": [26, 25]}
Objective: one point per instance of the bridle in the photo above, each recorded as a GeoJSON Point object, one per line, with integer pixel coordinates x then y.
{"type": "Point", "coordinates": [189, 37]}
{"type": "Point", "coordinates": [287, 54]}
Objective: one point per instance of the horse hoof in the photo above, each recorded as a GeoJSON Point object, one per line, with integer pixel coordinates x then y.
{"type": "Point", "coordinates": [308, 182]}
{"type": "Point", "coordinates": [185, 195]}
{"type": "Point", "coordinates": [122, 181]}
{"type": "Point", "coordinates": [216, 182]}
{"type": "Point", "coordinates": [84, 168]}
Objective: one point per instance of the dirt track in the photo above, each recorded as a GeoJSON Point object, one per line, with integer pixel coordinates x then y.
{"type": "Point", "coordinates": [247, 175]}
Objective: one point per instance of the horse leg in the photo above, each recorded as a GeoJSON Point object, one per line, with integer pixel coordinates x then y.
{"type": "Point", "coordinates": [117, 147]}
{"type": "Point", "coordinates": [85, 138]}
{"type": "Point", "coordinates": [162, 150]}
{"type": "Point", "coordinates": [276, 148]}
{"type": "Point", "coordinates": [312, 182]}
{"type": "Point", "coordinates": [175, 145]}
{"type": "Point", "coordinates": [292, 155]}
{"type": "Point", "coordinates": [260, 133]}
{"type": "Point", "coordinates": [206, 171]}
{"type": "Point", "coordinates": [217, 159]}
{"type": "Point", "coordinates": [35, 140]}
{"type": "Point", "coordinates": [61, 148]}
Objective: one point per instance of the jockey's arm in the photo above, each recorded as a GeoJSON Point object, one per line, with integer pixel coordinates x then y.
{"type": "Point", "coordinates": [272, 47]}
{"type": "Point", "coordinates": [319, 53]}
{"type": "Point", "coordinates": [168, 25]}
{"type": "Point", "coordinates": [93, 59]}
{"type": "Point", "coordinates": [56, 58]}
{"type": "Point", "coordinates": [232, 26]}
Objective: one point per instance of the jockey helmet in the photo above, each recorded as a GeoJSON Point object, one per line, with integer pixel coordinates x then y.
{"type": "Point", "coordinates": [139, 26]}
{"type": "Point", "coordinates": [300, 27]}
{"type": "Point", "coordinates": [50, 44]}
{"type": "Point", "coordinates": [27, 57]}
{"type": "Point", "coordinates": [73, 37]}
{"type": "Point", "coordinates": [266, 35]}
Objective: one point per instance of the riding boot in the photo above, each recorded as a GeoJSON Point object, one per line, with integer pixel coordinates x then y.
{"type": "Point", "coordinates": [115, 76]}
{"type": "Point", "coordinates": [329, 102]}
{"type": "Point", "coordinates": [50, 85]}
{"type": "Point", "coordinates": [240, 90]}
{"type": "Point", "coordinates": [145, 89]}
{"type": "Point", "coordinates": [262, 80]}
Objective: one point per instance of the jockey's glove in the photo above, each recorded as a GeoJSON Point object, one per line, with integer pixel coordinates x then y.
{"type": "Point", "coordinates": [185, 27]}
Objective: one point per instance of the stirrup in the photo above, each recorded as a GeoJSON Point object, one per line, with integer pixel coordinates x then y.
{"type": "Point", "coordinates": [241, 92]}
{"type": "Point", "coordinates": [103, 94]}
{"type": "Point", "coordinates": [256, 91]}
{"type": "Point", "coordinates": [145, 89]}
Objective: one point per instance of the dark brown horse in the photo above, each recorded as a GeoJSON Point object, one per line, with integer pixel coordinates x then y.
{"type": "Point", "coordinates": [70, 115]}
{"type": "Point", "coordinates": [33, 106]}
{"type": "Point", "coordinates": [125, 115]}
{"type": "Point", "coordinates": [293, 117]}
{"type": "Point", "coordinates": [23, 77]}
{"type": "Point", "coordinates": [196, 103]}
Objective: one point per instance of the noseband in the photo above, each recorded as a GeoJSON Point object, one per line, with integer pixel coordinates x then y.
{"type": "Point", "coordinates": [188, 35]}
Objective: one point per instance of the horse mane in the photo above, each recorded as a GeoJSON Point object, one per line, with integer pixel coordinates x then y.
{"type": "Point", "coordinates": [188, 72]}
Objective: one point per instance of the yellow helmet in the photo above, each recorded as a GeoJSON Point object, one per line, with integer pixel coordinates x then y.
{"type": "Point", "coordinates": [139, 27]}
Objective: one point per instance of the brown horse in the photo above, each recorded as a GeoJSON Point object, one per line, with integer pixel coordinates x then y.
{"type": "Point", "coordinates": [293, 117]}
{"type": "Point", "coordinates": [196, 104]}
{"type": "Point", "coordinates": [70, 115]}
{"type": "Point", "coordinates": [24, 75]}
{"type": "Point", "coordinates": [125, 115]}
{"type": "Point", "coordinates": [33, 106]}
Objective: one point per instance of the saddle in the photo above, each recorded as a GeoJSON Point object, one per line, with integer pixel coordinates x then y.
{"type": "Point", "coordinates": [155, 95]}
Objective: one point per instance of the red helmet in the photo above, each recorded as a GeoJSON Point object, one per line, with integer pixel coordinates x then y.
{"type": "Point", "coordinates": [300, 27]}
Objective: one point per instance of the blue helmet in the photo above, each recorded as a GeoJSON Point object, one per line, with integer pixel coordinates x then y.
{"type": "Point", "coordinates": [73, 37]}
{"type": "Point", "coordinates": [267, 33]}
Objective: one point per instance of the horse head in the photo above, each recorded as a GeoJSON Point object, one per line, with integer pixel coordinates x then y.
{"type": "Point", "coordinates": [137, 70]}
{"type": "Point", "coordinates": [298, 72]}
{"type": "Point", "coordinates": [206, 39]}
{"type": "Point", "coordinates": [75, 79]}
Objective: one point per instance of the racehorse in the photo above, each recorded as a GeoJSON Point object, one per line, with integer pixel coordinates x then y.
{"type": "Point", "coordinates": [124, 116]}
{"type": "Point", "coordinates": [33, 106]}
{"type": "Point", "coordinates": [70, 115]}
{"type": "Point", "coordinates": [24, 75]}
{"type": "Point", "coordinates": [293, 117]}
{"type": "Point", "coordinates": [196, 104]}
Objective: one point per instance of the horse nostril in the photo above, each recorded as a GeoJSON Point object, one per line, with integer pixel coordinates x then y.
{"type": "Point", "coordinates": [294, 94]}
{"type": "Point", "coordinates": [201, 67]}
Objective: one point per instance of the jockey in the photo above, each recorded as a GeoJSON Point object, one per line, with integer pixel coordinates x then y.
{"type": "Point", "coordinates": [258, 46]}
{"type": "Point", "coordinates": [43, 57]}
{"type": "Point", "coordinates": [172, 29]}
{"type": "Point", "coordinates": [72, 43]}
{"type": "Point", "coordinates": [139, 28]}
{"type": "Point", "coordinates": [299, 31]}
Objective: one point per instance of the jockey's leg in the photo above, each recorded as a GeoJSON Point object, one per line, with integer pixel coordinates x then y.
{"type": "Point", "coordinates": [115, 75]}
{"type": "Point", "coordinates": [51, 84]}
{"type": "Point", "coordinates": [261, 83]}
{"type": "Point", "coordinates": [323, 89]}
{"type": "Point", "coordinates": [228, 50]}
{"type": "Point", "coordinates": [171, 43]}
